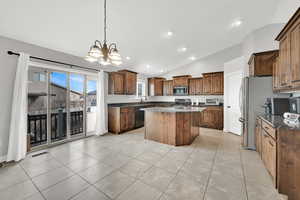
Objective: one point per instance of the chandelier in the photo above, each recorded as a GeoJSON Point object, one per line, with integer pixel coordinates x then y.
{"type": "Point", "coordinates": [105, 54]}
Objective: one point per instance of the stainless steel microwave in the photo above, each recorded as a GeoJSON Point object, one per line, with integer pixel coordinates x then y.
{"type": "Point", "coordinates": [180, 91]}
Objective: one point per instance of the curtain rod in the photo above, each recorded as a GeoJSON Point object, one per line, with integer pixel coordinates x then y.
{"type": "Point", "coordinates": [53, 61]}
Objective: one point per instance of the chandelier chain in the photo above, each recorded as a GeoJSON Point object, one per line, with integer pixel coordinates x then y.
{"type": "Point", "coordinates": [105, 27]}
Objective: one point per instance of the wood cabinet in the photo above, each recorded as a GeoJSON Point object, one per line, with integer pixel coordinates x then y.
{"type": "Point", "coordinates": [195, 86]}
{"type": "Point", "coordinates": [121, 119]}
{"type": "Point", "coordinates": [212, 117]}
{"type": "Point", "coordinates": [217, 84]}
{"type": "Point", "coordinates": [130, 81]}
{"type": "Point", "coordinates": [122, 82]}
{"type": "Point", "coordinates": [207, 81]}
{"type": "Point", "coordinates": [266, 146]}
{"type": "Point", "coordinates": [289, 55]}
{"type": "Point", "coordinates": [155, 86]}
{"type": "Point", "coordinates": [115, 83]}
{"type": "Point", "coordinates": [258, 135]}
{"type": "Point", "coordinates": [288, 159]}
{"type": "Point", "coordinates": [261, 64]}
{"type": "Point", "coordinates": [268, 154]}
{"type": "Point", "coordinates": [213, 83]}
{"type": "Point", "coordinates": [276, 83]}
{"type": "Point", "coordinates": [179, 81]}
{"type": "Point", "coordinates": [168, 88]}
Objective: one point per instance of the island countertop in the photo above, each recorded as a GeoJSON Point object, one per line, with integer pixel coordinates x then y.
{"type": "Point", "coordinates": [174, 109]}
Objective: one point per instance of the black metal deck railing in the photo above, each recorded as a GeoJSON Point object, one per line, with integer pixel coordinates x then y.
{"type": "Point", "coordinates": [37, 126]}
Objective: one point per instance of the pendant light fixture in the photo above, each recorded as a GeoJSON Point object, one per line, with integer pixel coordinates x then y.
{"type": "Point", "coordinates": [105, 54]}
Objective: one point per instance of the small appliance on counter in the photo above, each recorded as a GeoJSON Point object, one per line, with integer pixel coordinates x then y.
{"type": "Point", "coordinates": [277, 106]}
{"type": "Point", "coordinates": [295, 105]}
{"type": "Point", "coordinates": [212, 101]}
{"type": "Point", "coordinates": [291, 119]}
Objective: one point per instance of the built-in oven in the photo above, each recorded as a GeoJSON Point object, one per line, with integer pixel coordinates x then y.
{"type": "Point", "coordinates": [180, 91]}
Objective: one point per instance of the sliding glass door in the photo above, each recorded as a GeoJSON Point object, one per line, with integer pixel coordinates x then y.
{"type": "Point", "coordinates": [77, 104]}
{"type": "Point", "coordinates": [59, 106]}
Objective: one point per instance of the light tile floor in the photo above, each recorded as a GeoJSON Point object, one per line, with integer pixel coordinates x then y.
{"type": "Point", "coordinates": [127, 167]}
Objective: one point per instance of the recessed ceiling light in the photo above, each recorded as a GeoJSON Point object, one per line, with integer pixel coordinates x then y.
{"type": "Point", "coordinates": [170, 33]}
{"type": "Point", "coordinates": [148, 66]}
{"type": "Point", "coordinates": [236, 23]}
{"type": "Point", "coordinates": [192, 58]}
{"type": "Point", "coordinates": [161, 71]}
{"type": "Point", "coordinates": [128, 58]}
{"type": "Point", "coordinates": [182, 49]}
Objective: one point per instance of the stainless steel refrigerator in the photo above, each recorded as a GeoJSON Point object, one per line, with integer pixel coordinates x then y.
{"type": "Point", "coordinates": [253, 94]}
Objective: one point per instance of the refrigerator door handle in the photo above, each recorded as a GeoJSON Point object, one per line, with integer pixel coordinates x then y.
{"type": "Point", "coordinates": [241, 98]}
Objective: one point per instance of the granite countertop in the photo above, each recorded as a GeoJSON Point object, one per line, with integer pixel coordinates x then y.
{"type": "Point", "coordinates": [175, 109]}
{"type": "Point", "coordinates": [278, 121]}
{"type": "Point", "coordinates": [138, 104]}
{"type": "Point", "coordinates": [142, 104]}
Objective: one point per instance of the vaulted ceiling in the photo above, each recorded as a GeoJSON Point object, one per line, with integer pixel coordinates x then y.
{"type": "Point", "coordinates": [139, 27]}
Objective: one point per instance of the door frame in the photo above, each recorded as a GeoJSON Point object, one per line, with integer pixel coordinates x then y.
{"type": "Point", "coordinates": [53, 68]}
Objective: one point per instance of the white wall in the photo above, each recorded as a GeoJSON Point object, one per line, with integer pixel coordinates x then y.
{"type": "Point", "coordinates": [285, 10]}
{"type": "Point", "coordinates": [262, 39]}
{"type": "Point", "coordinates": [212, 63]}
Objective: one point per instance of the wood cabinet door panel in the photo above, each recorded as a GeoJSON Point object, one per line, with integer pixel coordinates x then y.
{"type": "Point", "coordinates": [295, 54]}
{"type": "Point", "coordinates": [192, 86]}
{"type": "Point", "coordinates": [131, 82]}
{"type": "Point", "coordinates": [199, 86]}
{"type": "Point", "coordinates": [258, 136]}
{"type": "Point", "coordinates": [284, 62]}
{"type": "Point", "coordinates": [207, 79]}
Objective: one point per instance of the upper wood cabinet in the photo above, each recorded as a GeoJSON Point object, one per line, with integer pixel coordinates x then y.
{"type": "Point", "coordinates": [213, 83]}
{"type": "Point", "coordinates": [217, 83]}
{"type": "Point", "coordinates": [115, 83]}
{"type": "Point", "coordinates": [195, 86]}
{"type": "Point", "coordinates": [168, 88]}
{"type": "Point", "coordinates": [207, 82]}
{"type": "Point", "coordinates": [155, 86]}
{"type": "Point", "coordinates": [130, 81]}
{"type": "Point", "coordinates": [289, 55]}
{"type": "Point", "coordinates": [276, 83]}
{"type": "Point", "coordinates": [122, 82]}
{"type": "Point", "coordinates": [181, 80]}
{"type": "Point", "coordinates": [261, 64]}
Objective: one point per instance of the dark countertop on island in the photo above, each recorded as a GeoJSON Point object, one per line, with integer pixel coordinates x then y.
{"type": "Point", "coordinates": [277, 121]}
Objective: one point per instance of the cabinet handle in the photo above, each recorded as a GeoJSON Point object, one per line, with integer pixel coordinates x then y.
{"type": "Point", "coordinates": [266, 127]}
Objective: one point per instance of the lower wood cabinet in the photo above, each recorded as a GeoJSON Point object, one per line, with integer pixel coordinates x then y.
{"type": "Point", "coordinates": [121, 119]}
{"type": "Point", "coordinates": [266, 146]}
{"type": "Point", "coordinates": [212, 117]}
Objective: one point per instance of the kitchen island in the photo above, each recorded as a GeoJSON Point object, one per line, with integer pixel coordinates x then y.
{"type": "Point", "coordinates": [172, 125]}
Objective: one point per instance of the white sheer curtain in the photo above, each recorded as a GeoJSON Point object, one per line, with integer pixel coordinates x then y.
{"type": "Point", "coordinates": [101, 106]}
{"type": "Point", "coordinates": [17, 145]}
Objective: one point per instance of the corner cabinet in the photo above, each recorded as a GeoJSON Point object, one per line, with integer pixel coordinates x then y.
{"type": "Point", "coordinates": [122, 82]}
{"type": "Point", "coordinates": [115, 83]}
{"type": "Point", "coordinates": [155, 86]}
{"type": "Point", "coordinates": [213, 83]}
{"type": "Point", "coordinates": [289, 55]}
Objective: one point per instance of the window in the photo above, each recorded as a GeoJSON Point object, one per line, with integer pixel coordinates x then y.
{"type": "Point", "coordinates": [140, 88]}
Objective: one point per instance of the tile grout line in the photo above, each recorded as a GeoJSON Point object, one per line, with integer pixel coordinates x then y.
{"type": "Point", "coordinates": [210, 173]}
{"type": "Point", "coordinates": [39, 191]}
{"type": "Point", "coordinates": [244, 176]}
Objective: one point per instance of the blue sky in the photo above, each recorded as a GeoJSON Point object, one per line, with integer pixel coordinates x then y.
{"type": "Point", "coordinates": [76, 81]}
